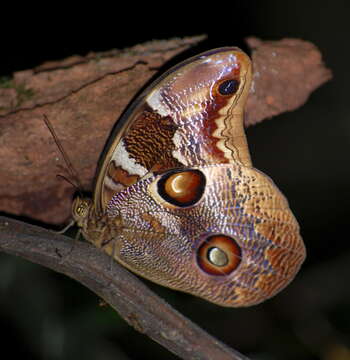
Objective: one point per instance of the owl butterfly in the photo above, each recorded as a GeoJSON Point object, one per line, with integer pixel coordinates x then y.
{"type": "Point", "coordinates": [177, 199]}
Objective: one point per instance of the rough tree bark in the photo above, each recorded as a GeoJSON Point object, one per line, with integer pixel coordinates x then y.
{"type": "Point", "coordinates": [83, 97]}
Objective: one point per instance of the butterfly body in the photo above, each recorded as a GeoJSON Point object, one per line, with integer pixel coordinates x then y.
{"type": "Point", "coordinates": [177, 199]}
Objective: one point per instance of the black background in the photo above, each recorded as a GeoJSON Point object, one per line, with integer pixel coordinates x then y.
{"type": "Point", "coordinates": [44, 315]}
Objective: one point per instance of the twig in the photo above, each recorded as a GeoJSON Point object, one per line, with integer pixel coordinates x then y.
{"type": "Point", "coordinates": [123, 291]}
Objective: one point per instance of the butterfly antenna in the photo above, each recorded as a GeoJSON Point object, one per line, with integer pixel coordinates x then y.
{"type": "Point", "coordinates": [69, 181]}
{"type": "Point", "coordinates": [70, 167]}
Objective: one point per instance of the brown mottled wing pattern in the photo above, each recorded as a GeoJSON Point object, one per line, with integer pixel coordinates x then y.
{"type": "Point", "coordinates": [178, 121]}
{"type": "Point", "coordinates": [161, 242]}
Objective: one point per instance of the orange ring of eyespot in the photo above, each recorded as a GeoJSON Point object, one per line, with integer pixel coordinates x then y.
{"type": "Point", "coordinates": [225, 247]}
{"type": "Point", "coordinates": [182, 188]}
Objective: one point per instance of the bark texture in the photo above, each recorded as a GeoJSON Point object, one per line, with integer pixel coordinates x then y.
{"type": "Point", "coordinates": [84, 96]}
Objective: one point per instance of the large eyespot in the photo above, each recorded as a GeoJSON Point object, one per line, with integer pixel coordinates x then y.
{"type": "Point", "coordinates": [228, 87]}
{"type": "Point", "coordinates": [182, 188]}
{"type": "Point", "coordinates": [219, 255]}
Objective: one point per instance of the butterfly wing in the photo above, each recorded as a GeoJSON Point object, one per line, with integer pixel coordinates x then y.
{"type": "Point", "coordinates": [192, 212]}
{"type": "Point", "coordinates": [189, 116]}
{"type": "Point", "coordinates": [232, 240]}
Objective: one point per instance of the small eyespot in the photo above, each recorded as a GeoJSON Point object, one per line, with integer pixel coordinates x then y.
{"type": "Point", "coordinates": [182, 188]}
{"type": "Point", "coordinates": [228, 87]}
{"type": "Point", "coordinates": [219, 255]}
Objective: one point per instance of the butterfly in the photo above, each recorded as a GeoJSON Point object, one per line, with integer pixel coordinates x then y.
{"type": "Point", "coordinates": [177, 199]}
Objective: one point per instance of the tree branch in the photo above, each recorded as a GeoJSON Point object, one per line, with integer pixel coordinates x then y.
{"type": "Point", "coordinates": [123, 291]}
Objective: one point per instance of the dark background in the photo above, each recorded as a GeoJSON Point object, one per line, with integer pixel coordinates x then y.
{"type": "Point", "coordinates": [44, 315]}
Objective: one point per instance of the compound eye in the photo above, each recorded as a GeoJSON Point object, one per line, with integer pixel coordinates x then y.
{"type": "Point", "coordinates": [182, 188]}
{"type": "Point", "coordinates": [219, 255]}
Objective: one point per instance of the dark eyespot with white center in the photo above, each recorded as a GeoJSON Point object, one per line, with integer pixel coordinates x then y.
{"type": "Point", "coordinates": [228, 87]}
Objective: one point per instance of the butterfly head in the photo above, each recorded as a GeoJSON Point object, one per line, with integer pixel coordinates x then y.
{"type": "Point", "coordinates": [81, 209]}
